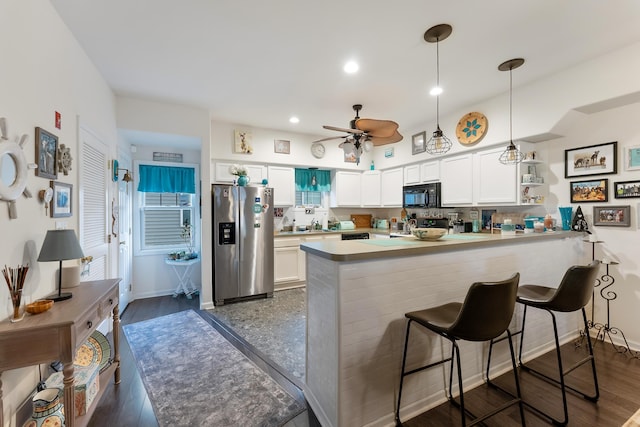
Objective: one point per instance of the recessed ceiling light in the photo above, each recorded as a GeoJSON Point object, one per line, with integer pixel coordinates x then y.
{"type": "Point", "coordinates": [351, 67]}
{"type": "Point", "coordinates": [294, 120]}
{"type": "Point", "coordinates": [435, 91]}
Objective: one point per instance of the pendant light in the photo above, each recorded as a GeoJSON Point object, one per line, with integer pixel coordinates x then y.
{"type": "Point", "coordinates": [511, 154]}
{"type": "Point", "coordinates": [438, 143]}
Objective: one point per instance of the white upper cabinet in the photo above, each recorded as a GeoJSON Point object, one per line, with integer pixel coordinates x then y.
{"type": "Point", "coordinates": [371, 188]}
{"type": "Point", "coordinates": [282, 180]}
{"type": "Point", "coordinates": [346, 189]}
{"type": "Point", "coordinates": [423, 172]}
{"type": "Point", "coordinates": [494, 183]}
{"type": "Point", "coordinates": [430, 171]}
{"type": "Point", "coordinates": [456, 175]}
{"type": "Point", "coordinates": [256, 173]}
{"type": "Point", "coordinates": [412, 175]}
{"type": "Point", "coordinates": [391, 181]}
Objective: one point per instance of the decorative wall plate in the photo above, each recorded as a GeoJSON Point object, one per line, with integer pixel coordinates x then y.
{"type": "Point", "coordinates": [471, 128]}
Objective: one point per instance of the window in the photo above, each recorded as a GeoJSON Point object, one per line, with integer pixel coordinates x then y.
{"type": "Point", "coordinates": [309, 198]}
{"type": "Point", "coordinates": [163, 219]}
{"type": "Point", "coordinates": [167, 208]}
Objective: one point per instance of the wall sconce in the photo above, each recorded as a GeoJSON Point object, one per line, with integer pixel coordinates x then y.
{"type": "Point", "coordinates": [127, 175]}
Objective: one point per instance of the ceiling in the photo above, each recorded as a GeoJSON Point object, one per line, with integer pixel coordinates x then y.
{"type": "Point", "coordinates": [259, 62]}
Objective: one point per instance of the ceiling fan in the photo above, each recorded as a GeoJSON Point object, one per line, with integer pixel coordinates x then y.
{"type": "Point", "coordinates": [363, 132]}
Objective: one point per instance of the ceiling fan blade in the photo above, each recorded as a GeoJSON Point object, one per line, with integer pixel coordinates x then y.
{"type": "Point", "coordinates": [330, 138]}
{"type": "Point", "coordinates": [376, 140]}
{"type": "Point", "coordinates": [377, 128]}
{"type": "Point", "coordinates": [353, 131]}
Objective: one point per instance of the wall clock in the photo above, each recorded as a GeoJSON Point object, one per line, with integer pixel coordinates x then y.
{"type": "Point", "coordinates": [318, 150]}
{"type": "Point", "coordinates": [471, 128]}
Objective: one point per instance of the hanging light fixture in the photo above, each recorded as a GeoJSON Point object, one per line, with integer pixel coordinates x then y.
{"type": "Point", "coordinates": [438, 143]}
{"type": "Point", "coordinates": [511, 154]}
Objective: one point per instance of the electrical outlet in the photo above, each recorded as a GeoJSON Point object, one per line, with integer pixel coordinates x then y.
{"type": "Point", "coordinates": [61, 225]}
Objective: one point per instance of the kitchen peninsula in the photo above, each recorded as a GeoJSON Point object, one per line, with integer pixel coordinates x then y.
{"type": "Point", "coordinates": [358, 292]}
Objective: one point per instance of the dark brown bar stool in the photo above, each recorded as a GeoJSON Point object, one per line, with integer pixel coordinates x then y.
{"type": "Point", "coordinates": [573, 294]}
{"type": "Point", "coordinates": [484, 315]}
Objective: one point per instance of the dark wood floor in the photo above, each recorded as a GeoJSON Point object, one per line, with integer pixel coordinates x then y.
{"type": "Point", "coordinates": [619, 377]}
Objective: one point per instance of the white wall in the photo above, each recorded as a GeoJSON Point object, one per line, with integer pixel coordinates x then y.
{"type": "Point", "coordinates": [43, 70]}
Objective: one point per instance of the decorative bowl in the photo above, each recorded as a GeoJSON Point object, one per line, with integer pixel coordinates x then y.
{"type": "Point", "coordinates": [429, 233]}
{"type": "Point", "coordinates": [39, 306]}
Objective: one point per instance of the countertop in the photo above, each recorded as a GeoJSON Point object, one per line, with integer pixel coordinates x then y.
{"type": "Point", "coordinates": [355, 250]}
{"type": "Point", "coordinates": [312, 232]}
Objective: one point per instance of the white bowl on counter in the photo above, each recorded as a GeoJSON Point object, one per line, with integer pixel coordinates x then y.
{"type": "Point", "coordinates": [428, 233]}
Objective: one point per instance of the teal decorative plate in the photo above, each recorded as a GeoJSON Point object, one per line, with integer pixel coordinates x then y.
{"type": "Point", "coordinates": [471, 128]}
{"type": "Point", "coordinates": [95, 350]}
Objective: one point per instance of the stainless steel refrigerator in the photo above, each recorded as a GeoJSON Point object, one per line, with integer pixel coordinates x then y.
{"type": "Point", "coordinates": [242, 242]}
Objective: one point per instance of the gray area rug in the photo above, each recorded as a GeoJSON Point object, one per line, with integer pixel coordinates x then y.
{"type": "Point", "coordinates": [274, 326]}
{"type": "Point", "coordinates": [195, 377]}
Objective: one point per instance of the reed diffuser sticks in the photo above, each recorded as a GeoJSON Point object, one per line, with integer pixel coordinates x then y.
{"type": "Point", "coordinates": [15, 278]}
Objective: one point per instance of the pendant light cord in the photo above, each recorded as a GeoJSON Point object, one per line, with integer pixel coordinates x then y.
{"type": "Point", "coordinates": [511, 104]}
{"type": "Point", "coordinates": [438, 82]}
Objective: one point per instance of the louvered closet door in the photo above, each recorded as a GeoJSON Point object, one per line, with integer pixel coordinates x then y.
{"type": "Point", "coordinates": [94, 200]}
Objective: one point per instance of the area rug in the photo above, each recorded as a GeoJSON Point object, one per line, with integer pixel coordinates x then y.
{"type": "Point", "coordinates": [194, 377]}
{"type": "Point", "coordinates": [634, 421]}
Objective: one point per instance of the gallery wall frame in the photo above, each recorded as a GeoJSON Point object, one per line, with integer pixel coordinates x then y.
{"type": "Point", "coordinates": [632, 158]}
{"type": "Point", "coordinates": [62, 201]}
{"type": "Point", "coordinates": [589, 191]}
{"type": "Point", "coordinates": [281, 146]}
{"type": "Point", "coordinates": [626, 189]}
{"type": "Point", "coordinates": [599, 159]}
{"type": "Point", "coordinates": [419, 143]}
{"type": "Point", "coordinates": [46, 154]}
{"type": "Point", "coordinates": [614, 216]}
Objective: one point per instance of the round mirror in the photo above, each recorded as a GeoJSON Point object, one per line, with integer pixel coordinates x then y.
{"type": "Point", "coordinates": [13, 171]}
{"type": "Point", "coordinates": [7, 170]}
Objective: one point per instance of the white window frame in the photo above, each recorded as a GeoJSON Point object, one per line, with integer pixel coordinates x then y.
{"type": "Point", "coordinates": [138, 248]}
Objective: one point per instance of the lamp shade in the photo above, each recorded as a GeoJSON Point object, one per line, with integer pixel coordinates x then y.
{"type": "Point", "coordinates": [60, 245]}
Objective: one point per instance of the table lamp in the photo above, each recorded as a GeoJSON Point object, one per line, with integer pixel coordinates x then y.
{"type": "Point", "coordinates": [60, 245]}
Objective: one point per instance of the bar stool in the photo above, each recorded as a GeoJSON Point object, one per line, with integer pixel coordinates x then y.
{"type": "Point", "coordinates": [573, 294]}
{"type": "Point", "coordinates": [484, 315]}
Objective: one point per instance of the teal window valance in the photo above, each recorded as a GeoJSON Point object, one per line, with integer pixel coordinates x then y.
{"type": "Point", "coordinates": [313, 180]}
{"type": "Point", "coordinates": [166, 179]}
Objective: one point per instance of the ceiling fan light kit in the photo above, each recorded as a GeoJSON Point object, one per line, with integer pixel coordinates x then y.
{"type": "Point", "coordinates": [511, 154]}
{"type": "Point", "coordinates": [363, 134]}
{"type": "Point", "coordinates": [438, 143]}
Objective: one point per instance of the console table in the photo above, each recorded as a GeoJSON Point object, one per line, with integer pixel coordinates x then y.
{"type": "Point", "coordinates": [56, 334]}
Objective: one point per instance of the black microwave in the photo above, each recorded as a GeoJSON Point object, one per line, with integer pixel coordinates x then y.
{"type": "Point", "coordinates": [421, 196]}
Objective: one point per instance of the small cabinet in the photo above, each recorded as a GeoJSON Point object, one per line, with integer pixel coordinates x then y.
{"type": "Point", "coordinates": [456, 175]}
{"type": "Point", "coordinates": [391, 181]}
{"type": "Point", "coordinates": [346, 189]}
{"type": "Point", "coordinates": [430, 171]}
{"type": "Point", "coordinates": [282, 180]}
{"type": "Point", "coordinates": [412, 175]}
{"type": "Point", "coordinates": [371, 189]}
{"type": "Point", "coordinates": [256, 173]}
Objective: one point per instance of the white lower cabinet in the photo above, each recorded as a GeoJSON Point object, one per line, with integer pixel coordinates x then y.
{"type": "Point", "coordinates": [288, 261]}
{"type": "Point", "coordinates": [289, 265]}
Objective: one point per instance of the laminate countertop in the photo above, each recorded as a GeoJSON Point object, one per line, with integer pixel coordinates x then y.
{"type": "Point", "coordinates": [356, 250]}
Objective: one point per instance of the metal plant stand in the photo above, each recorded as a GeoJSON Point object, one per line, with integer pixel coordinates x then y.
{"type": "Point", "coordinates": [605, 330]}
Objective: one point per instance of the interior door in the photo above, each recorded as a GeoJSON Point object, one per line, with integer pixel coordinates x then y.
{"type": "Point", "coordinates": [124, 238]}
{"type": "Point", "coordinates": [94, 199]}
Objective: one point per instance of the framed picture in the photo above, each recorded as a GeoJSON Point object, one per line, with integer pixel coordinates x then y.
{"type": "Point", "coordinates": [61, 203]}
{"type": "Point", "coordinates": [626, 189]}
{"type": "Point", "coordinates": [388, 152]}
{"type": "Point", "coordinates": [589, 191]}
{"type": "Point", "coordinates": [619, 216]}
{"type": "Point", "coordinates": [598, 159]}
{"type": "Point", "coordinates": [46, 154]}
{"type": "Point", "coordinates": [242, 142]}
{"type": "Point", "coordinates": [632, 158]}
{"type": "Point", "coordinates": [281, 146]}
{"type": "Point", "coordinates": [419, 143]}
